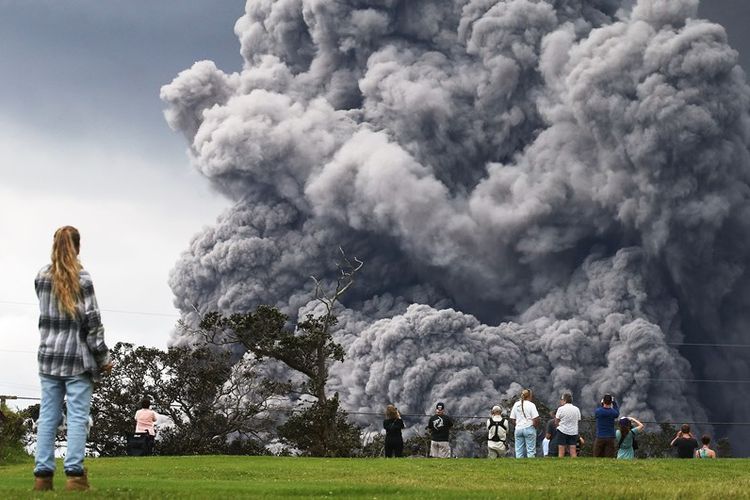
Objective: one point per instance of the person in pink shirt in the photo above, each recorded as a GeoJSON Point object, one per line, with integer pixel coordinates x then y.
{"type": "Point", "coordinates": [145, 418]}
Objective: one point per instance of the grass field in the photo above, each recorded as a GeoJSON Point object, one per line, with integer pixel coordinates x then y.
{"type": "Point", "coordinates": [222, 477]}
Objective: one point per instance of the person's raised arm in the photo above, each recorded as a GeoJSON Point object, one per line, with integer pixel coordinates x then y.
{"type": "Point", "coordinates": [638, 424]}
{"type": "Point", "coordinates": [676, 437]}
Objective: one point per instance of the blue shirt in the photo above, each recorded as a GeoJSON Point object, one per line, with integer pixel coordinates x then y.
{"type": "Point", "coordinates": [605, 421]}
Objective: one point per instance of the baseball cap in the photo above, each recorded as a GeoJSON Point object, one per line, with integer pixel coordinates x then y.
{"type": "Point", "coordinates": [440, 406]}
{"type": "Point", "coordinates": [496, 408]}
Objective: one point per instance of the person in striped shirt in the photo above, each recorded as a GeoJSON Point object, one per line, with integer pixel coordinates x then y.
{"type": "Point", "coordinates": [72, 355]}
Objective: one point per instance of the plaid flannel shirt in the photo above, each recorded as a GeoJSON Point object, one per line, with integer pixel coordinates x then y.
{"type": "Point", "coordinates": [70, 346]}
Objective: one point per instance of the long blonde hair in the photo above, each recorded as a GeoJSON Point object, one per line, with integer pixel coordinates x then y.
{"type": "Point", "coordinates": [65, 269]}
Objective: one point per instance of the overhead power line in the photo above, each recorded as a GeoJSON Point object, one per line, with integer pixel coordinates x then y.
{"type": "Point", "coordinates": [703, 344]}
{"type": "Point", "coordinates": [117, 311]}
{"type": "Point", "coordinates": [173, 315]}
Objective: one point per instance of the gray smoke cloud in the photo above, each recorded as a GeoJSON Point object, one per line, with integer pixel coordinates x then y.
{"type": "Point", "coordinates": [546, 193]}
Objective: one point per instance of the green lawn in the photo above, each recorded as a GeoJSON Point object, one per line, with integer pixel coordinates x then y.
{"type": "Point", "coordinates": [221, 477]}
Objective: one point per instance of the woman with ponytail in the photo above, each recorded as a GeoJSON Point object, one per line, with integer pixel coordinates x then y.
{"type": "Point", "coordinates": [72, 354]}
{"type": "Point", "coordinates": [526, 418]}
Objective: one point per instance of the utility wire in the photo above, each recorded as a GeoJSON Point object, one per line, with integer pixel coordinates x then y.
{"type": "Point", "coordinates": [701, 344]}
{"type": "Point", "coordinates": [145, 313]}
{"type": "Point", "coordinates": [466, 417]}
{"type": "Point", "coordinates": [420, 415]}
{"type": "Point", "coordinates": [118, 311]}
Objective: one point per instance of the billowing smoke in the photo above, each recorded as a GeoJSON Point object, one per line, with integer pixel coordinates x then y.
{"type": "Point", "coordinates": [546, 194]}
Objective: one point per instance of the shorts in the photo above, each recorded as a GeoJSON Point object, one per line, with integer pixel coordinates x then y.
{"type": "Point", "coordinates": [496, 449]}
{"type": "Point", "coordinates": [566, 439]}
{"type": "Point", "coordinates": [440, 449]}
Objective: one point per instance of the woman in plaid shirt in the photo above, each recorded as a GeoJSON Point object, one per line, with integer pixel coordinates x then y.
{"type": "Point", "coordinates": [72, 355]}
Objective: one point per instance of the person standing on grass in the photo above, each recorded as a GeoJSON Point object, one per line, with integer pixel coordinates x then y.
{"type": "Point", "coordinates": [72, 354]}
{"type": "Point", "coordinates": [685, 442]}
{"type": "Point", "coordinates": [705, 451]}
{"type": "Point", "coordinates": [393, 424]}
{"type": "Point", "coordinates": [606, 414]}
{"type": "Point", "coordinates": [439, 426]}
{"type": "Point", "coordinates": [497, 432]}
{"type": "Point", "coordinates": [567, 418]}
{"type": "Point", "coordinates": [550, 437]}
{"type": "Point", "coordinates": [145, 418]}
{"type": "Point", "coordinates": [625, 437]}
{"type": "Point", "coordinates": [525, 417]}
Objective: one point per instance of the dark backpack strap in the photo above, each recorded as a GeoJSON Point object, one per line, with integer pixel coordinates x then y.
{"type": "Point", "coordinates": [622, 438]}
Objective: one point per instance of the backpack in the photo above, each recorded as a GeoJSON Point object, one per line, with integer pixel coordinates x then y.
{"type": "Point", "coordinates": [493, 430]}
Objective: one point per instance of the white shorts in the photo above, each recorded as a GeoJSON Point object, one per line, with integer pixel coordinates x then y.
{"type": "Point", "coordinates": [496, 449]}
{"type": "Point", "coordinates": [440, 449]}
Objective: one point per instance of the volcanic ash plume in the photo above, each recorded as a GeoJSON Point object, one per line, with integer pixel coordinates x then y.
{"type": "Point", "coordinates": [546, 194]}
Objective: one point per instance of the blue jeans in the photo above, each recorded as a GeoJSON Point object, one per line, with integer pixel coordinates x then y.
{"type": "Point", "coordinates": [526, 442]}
{"type": "Point", "coordinates": [77, 390]}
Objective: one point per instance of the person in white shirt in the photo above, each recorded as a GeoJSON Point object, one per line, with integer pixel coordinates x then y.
{"type": "Point", "coordinates": [526, 418]}
{"type": "Point", "coordinates": [567, 418]}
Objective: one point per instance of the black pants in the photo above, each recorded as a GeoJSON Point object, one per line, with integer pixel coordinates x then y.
{"type": "Point", "coordinates": [394, 448]}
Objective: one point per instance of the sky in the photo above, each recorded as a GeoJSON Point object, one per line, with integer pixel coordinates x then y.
{"type": "Point", "coordinates": [83, 142]}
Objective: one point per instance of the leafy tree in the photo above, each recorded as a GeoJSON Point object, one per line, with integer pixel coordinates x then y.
{"type": "Point", "coordinates": [723, 448]}
{"type": "Point", "coordinates": [322, 430]}
{"type": "Point", "coordinates": [308, 349]}
{"type": "Point", "coordinates": [215, 406]}
{"type": "Point", "coordinates": [656, 444]}
{"type": "Point", "coordinates": [13, 435]}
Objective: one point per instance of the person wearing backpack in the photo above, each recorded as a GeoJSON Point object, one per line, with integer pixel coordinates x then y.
{"type": "Point", "coordinates": [497, 433]}
{"type": "Point", "coordinates": [625, 436]}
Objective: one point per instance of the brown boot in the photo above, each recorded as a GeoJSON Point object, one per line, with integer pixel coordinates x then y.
{"type": "Point", "coordinates": [43, 483]}
{"type": "Point", "coordinates": [77, 483]}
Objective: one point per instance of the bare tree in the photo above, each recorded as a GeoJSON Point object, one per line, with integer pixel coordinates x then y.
{"type": "Point", "coordinates": [308, 349]}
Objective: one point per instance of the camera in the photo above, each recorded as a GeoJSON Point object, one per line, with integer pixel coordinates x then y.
{"type": "Point", "coordinates": [608, 399]}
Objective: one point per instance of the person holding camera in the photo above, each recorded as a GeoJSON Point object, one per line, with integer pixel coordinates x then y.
{"type": "Point", "coordinates": [606, 414]}
{"type": "Point", "coordinates": [685, 442]}
{"type": "Point", "coordinates": [625, 437]}
{"type": "Point", "coordinates": [393, 424]}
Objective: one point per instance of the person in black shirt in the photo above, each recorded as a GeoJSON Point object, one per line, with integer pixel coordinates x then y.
{"type": "Point", "coordinates": [394, 443]}
{"type": "Point", "coordinates": [685, 442]}
{"type": "Point", "coordinates": [439, 426]}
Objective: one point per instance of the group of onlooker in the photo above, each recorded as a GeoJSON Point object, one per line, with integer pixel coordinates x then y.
{"type": "Point", "coordinates": [687, 446]}
{"type": "Point", "coordinates": [615, 435]}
